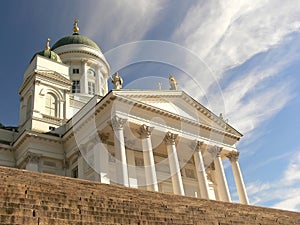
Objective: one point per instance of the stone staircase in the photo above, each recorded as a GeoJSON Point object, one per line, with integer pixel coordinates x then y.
{"type": "Point", "coordinates": [43, 199]}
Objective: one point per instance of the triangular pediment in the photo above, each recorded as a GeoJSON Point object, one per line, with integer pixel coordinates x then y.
{"type": "Point", "coordinates": [180, 104]}
{"type": "Point", "coordinates": [46, 74]}
{"type": "Point", "coordinates": [54, 76]}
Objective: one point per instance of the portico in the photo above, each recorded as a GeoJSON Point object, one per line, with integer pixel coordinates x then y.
{"type": "Point", "coordinates": [163, 168]}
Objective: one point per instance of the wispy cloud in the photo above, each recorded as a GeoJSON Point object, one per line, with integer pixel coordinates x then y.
{"type": "Point", "coordinates": [248, 114]}
{"type": "Point", "coordinates": [119, 22]}
{"type": "Point", "coordinates": [246, 45]}
{"type": "Point", "coordinates": [228, 34]}
{"type": "Point", "coordinates": [284, 191]}
{"type": "Point", "coordinates": [292, 174]}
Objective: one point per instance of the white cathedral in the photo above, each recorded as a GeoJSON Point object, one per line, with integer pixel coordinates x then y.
{"type": "Point", "coordinates": [72, 125]}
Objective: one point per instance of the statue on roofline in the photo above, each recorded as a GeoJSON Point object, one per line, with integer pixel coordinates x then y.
{"type": "Point", "coordinates": [173, 82]}
{"type": "Point", "coordinates": [117, 81]}
{"type": "Point", "coordinates": [48, 44]}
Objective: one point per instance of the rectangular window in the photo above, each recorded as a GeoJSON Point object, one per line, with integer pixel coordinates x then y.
{"type": "Point", "coordinates": [91, 88]}
{"type": "Point", "coordinates": [76, 86]}
{"type": "Point", "coordinates": [75, 71]}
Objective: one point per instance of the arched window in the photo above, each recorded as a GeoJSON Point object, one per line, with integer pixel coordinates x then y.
{"type": "Point", "coordinates": [29, 107]}
{"type": "Point", "coordinates": [51, 105]}
{"type": "Point", "coordinates": [91, 73]}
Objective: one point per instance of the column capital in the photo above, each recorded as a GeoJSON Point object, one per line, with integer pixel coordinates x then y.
{"type": "Point", "coordinates": [170, 138]}
{"type": "Point", "coordinates": [33, 157]}
{"type": "Point", "coordinates": [215, 150]}
{"type": "Point", "coordinates": [197, 145]}
{"type": "Point", "coordinates": [117, 122]}
{"type": "Point", "coordinates": [145, 131]}
{"type": "Point", "coordinates": [233, 156]}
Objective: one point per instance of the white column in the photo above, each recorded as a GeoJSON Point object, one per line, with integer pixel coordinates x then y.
{"type": "Point", "coordinates": [84, 79]}
{"type": "Point", "coordinates": [132, 178]}
{"type": "Point", "coordinates": [80, 166]}
{"type": "Point", "coordinates": [223, 191]}
{"type": "Point", "coordinates": [97, 84]}
{"type": "Point", "coordinates": [121, 162]}
{"type": "Point", "coordinates": [33, 162]}
{"type": "Point", "coordinates": [174, 164]}
{"type": "Point", "coordinates": [201, 174]}
{"type": "Point", "coordinates": [103, 159]}
{"type": "Point", "coordinates": [233, 157]}
{"type": "Point", "coordinates": [150, 172]}
{"type": "Point", "coordinates": [61, 109]}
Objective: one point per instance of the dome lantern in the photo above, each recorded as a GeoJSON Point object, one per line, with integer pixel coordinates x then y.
{"type": "Point", "coordinates": [48, 53]}
{"type": "Point", "coordinates": [75, 26]}
{"type": "Point", "coordinates": [76, 38]}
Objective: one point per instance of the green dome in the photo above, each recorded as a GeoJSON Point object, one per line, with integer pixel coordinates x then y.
{"type": "Point", "coordinates": [75, 39]}
{"type": "Point", "coordinates": [48, 54]}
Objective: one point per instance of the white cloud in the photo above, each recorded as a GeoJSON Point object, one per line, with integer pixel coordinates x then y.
{"type": "Point", "coordinates": [285, 190]}
{"type": "Point", "coordinates": [225, 34]}
{"type": "Point", "coordinates": [118, 22]}
{"type": "Point", "coordinates": [292, 203]}
{"type": "Point", "coordinates": [257, 187]}
{"type": "Point", "coordinates": [292, 174]}
{"type": "Point", "coordinates": [257, 109]}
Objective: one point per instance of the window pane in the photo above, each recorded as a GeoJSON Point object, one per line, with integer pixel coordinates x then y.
{"type": "Point", "coordinates": [50, 105]}
{"type": "Point", "coordinates": [76, 86]}
{"type": "Point", "coordinates": [76, 71]}
{"type": "Point", "coordinates": [91, 88]}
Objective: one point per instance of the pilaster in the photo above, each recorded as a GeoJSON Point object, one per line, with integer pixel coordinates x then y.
{"type": "Point", "coordinates": [33, 161]}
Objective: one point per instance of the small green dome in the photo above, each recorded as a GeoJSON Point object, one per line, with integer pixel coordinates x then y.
{"type": "Point", "coordinates": [48, 54]}
{"type": "Point", "coordinates": [75, 39]}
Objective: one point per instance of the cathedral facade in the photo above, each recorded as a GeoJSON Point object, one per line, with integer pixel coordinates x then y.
{"type": "Point", "coordinates": [71, 125]}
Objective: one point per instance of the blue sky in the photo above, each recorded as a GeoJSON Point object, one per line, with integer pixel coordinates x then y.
{"type": "Point", "coordinates": [251, 47]}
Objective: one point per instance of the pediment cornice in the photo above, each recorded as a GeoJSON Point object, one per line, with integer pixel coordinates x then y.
{"type": "Point", "coordinates": [142, 97]}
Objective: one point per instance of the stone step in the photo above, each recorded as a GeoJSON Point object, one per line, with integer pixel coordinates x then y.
{"type": "Point", "coordinates": [36, 198]}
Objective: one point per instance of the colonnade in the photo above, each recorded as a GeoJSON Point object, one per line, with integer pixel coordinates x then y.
{"type": "Point", "coordinates": [117, 124]}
